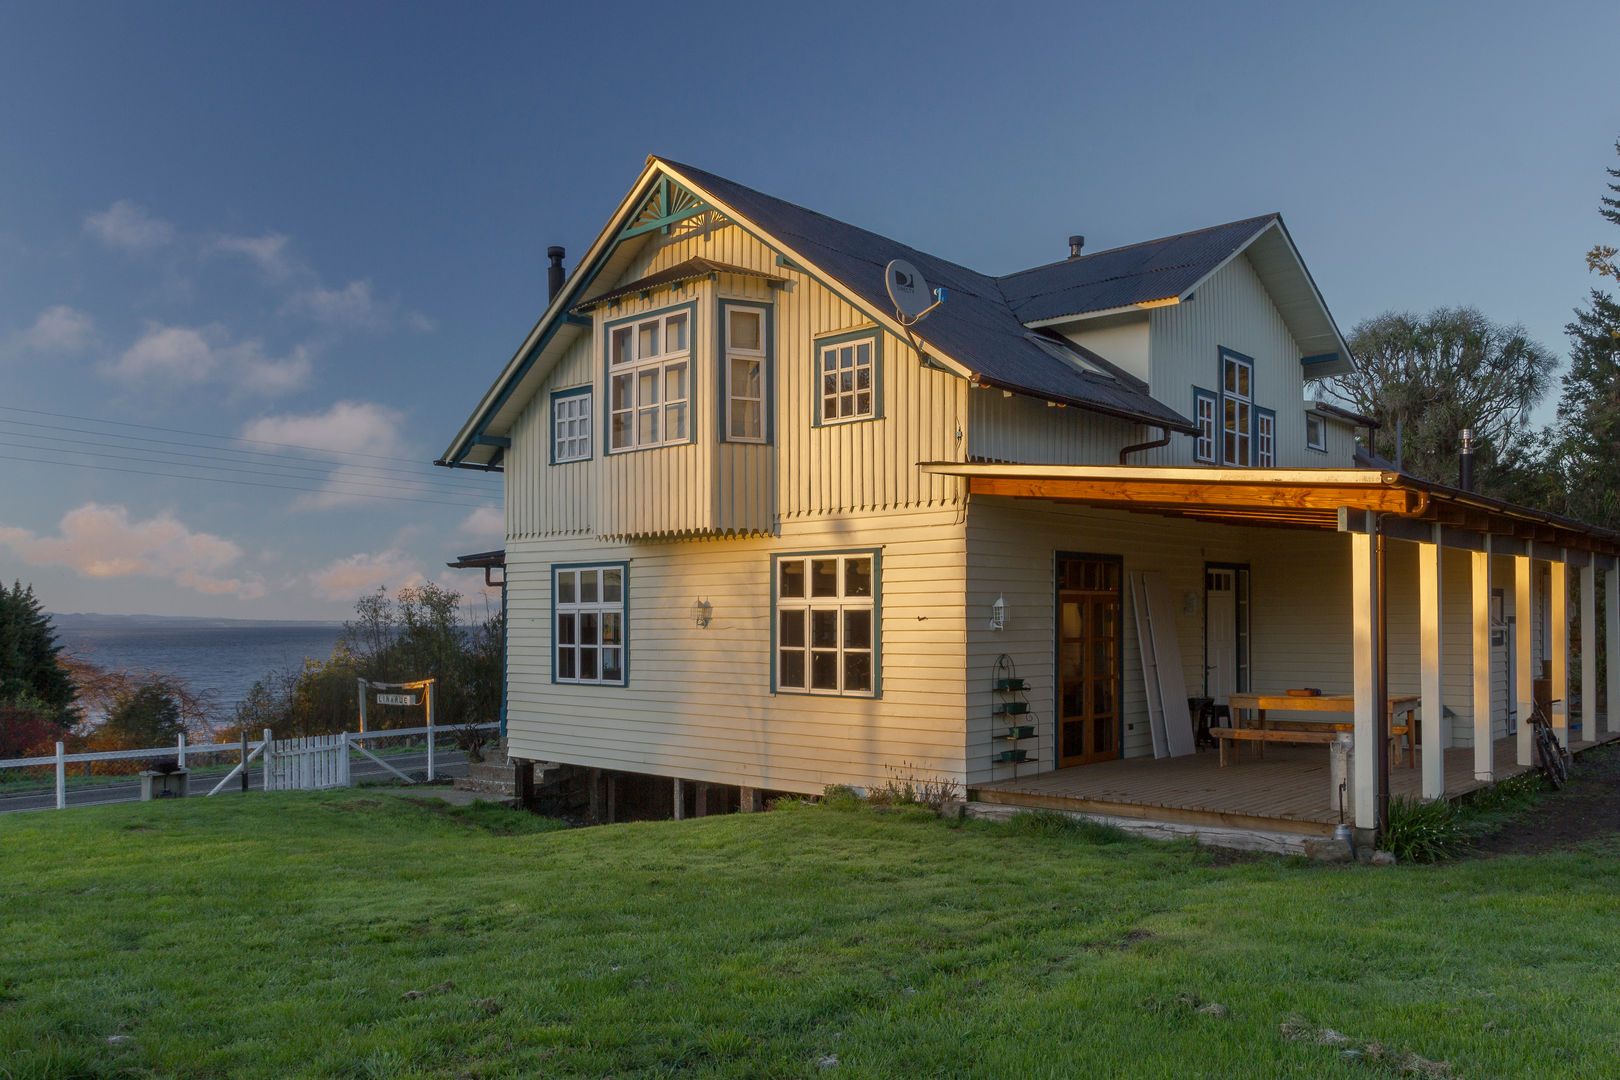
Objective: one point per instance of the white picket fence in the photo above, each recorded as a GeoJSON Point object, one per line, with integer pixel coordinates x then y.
{"type": "Point", "coordinates": [312, 763]}
{"type": "Point", "coordinates": [308, 764]}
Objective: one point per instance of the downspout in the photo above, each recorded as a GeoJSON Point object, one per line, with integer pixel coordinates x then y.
{"type": "Point", "coordinates": [1139, 447]}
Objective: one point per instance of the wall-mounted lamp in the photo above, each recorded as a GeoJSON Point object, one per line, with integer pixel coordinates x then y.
{"type": "Point", "coordinates": [998, 613]}
{"type": "Point", "coordinates": [702, 611]}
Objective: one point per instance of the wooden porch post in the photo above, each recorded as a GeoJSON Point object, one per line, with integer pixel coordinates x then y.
{"type": "Point", "coordinates": [1611, 638]}
{"type": "Point", "coordinates": [1559, 648]}
{"type": "Point", "coordinates": [1434, 710]}
{"type": "Point", "coordinates": [1589, 640]}
{"type": "Point", "coordinates": [1523, 617]}
{"type": "Point", "coordinates": [1364, 647]}
{"type": "Point", "coordinates": [1484, 756]}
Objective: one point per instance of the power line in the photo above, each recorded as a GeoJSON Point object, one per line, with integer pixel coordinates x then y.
{"type": "Point", "coordinates": [206, 435]}
{"type": "Point", "coordinates": [223, 480]}
{"type": "Point", "coordinates": [284, 463]}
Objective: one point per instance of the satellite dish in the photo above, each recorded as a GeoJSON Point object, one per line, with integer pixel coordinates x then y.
{"type": "Point", "coordinates": [909, 291]}
{"type": "Point", "coordinates": [907, 288]}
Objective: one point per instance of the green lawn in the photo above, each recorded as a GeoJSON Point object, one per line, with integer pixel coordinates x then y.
{"type": "Point", "coordinates": [366, 934]}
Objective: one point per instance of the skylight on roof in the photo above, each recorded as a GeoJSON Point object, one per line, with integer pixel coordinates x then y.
{"type": "Point", "coordinates": [1059, 351]}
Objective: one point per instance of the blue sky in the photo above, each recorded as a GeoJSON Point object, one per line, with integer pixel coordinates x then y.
{"type": "Point", "coordinates": [323, 226]}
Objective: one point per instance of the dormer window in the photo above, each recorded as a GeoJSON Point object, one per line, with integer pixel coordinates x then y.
{"type": "Point", "coordinates": [649, 380]}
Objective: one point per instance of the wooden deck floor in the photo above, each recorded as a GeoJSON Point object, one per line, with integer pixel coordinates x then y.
{"type": "Point", "coordinates": [1287, 791]}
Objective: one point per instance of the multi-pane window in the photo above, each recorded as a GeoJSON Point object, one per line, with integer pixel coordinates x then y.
{"type": "Point", "coordinates": [589, 638]}
{"type": "Point", "coordinates": [1315, 432]}
{"type": "Point", "coordinates": [1265, 438]}
{"type": "Point", "coordinates": [1204, 406]}
{"type": "Point", "coordinates": [745, 373]}
{"type": "Point", "coordinates": [848, 373]}
{"type": "Point", "coordinates": [1237, 409]}
{"type": "Point", "coordinates": [826, 624]}
{"type": "Point", "coordinates": [571, 426]}
{"type": "Point", "coordinates": [649, 379]}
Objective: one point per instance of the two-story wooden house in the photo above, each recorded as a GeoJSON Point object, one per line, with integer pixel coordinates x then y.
{"type": "Point", "coordinates": [762, 534]}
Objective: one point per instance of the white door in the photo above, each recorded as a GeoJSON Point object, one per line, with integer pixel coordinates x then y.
{"type": "Point", "coordinates": [1220, 633]}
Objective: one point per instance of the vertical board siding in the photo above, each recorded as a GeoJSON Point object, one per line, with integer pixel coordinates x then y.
{"type": "Point", "coordinates": [699, 705]}
{"type": "Point", "coordinates": [1026, 431]}
{"type": "Point", "coordinates": [1233, 310]}
{"type": "Point", "coordinates": [1300, 626]}
{"type": "Point", "coordinates": [544, 499]}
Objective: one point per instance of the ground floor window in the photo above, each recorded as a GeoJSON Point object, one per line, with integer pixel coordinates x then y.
{"type": "Point", "coordinates": [589, 625]}
{"type": "Point", "coordinates": [827, 623]}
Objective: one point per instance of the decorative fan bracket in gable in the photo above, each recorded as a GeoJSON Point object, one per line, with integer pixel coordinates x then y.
{"type": "Point", "coordinates": [668, 204]}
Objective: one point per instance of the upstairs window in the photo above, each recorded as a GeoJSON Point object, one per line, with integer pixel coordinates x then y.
{"type": "Point", "coordinates": [746, 359]}
{"type": "Point", "coordinates": [1315, 432]}
{"type": "Point", "coordinates": [848, 370]}
{"type": "Point", "coordinates": [1237, 409]}
{"type": "Point", "coordinates": [1265, 438]}
{"type": "Point", "coordinates": [826, 624]}
{"type": "Point", "coordinates": [1204, 408]}
{"type": "Point", "coordinates": [571, 425]}
{"type": "Point", "coordinates": [589, 630]}
{"type": "Point", "coordinates": [649, 380]}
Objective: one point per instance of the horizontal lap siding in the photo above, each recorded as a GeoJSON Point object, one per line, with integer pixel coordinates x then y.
{"type": "Point", "coordinates": [699, 703]}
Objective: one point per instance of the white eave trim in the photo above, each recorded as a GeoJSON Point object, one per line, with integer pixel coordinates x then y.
{"type": "Point", "coordinates": [1166, 474]}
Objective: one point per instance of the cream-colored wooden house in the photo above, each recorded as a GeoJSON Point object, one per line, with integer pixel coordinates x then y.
{"type": "Point", "coordinates": [761, 534]}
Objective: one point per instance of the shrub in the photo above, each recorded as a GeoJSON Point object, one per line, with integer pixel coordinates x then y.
{"type": "Point", "coordinates": [904, 788]}
{"type": "Point", "coordinates": [1424, 831]}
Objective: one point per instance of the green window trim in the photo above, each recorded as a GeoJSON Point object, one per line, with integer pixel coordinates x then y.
{"type": "Point", "coordinates": [663, 405]}
{"type": "Point", "coordinates": [590, 646]}
{"type": "Point", "coordinates": [583, 417]}
{"type": "Point", "coordinates": [818, 395]}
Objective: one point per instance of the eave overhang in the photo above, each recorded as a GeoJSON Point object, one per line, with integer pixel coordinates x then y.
{"type": "Point", "coordinates": [1326, 499]}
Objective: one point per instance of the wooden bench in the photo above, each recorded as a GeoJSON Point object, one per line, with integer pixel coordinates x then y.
{"type": "Point", "coordinates": [1265, 735]}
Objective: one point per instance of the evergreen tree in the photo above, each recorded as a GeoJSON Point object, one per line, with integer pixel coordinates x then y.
{"type": "Point", "coordinates": [147, 716]}
{"type": "Point", "coordinates": [1588, 448]}
{"type": "Point", "coordinates": [31, 665]}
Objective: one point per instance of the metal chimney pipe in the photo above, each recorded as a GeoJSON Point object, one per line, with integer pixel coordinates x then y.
{"type": "Point", "coordinates": [1465, 461]}
{"type": "Point", "coordinates": [554, 274]}
{"type": "Point", "coordinates": [1075, 244]}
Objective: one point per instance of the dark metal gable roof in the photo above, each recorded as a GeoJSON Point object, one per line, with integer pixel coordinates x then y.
{"type": "Point", "coordinates": [976, 327]}
{"type": "Point", "coordinates": [1137, 274]}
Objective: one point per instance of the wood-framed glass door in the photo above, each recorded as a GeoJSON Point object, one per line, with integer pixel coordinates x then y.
{"type": "Point", "coordinates": [1090, 607]}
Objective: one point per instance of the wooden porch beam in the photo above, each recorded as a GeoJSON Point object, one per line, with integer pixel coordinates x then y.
{"type": "Point", "coordinates": [1205, 496]}
{"type": "Point", "coordinates": [1364, 650]}
{"type": "Point", "coordinates": [1484, 758]}
{"type": "Point", "coordinates": [1611, 638]}
{"type": "Point", "coordinates": [1559, 649]}
{"type": "Point", "coordinates": [1523, 620]}
{"type": "Point", "coordinates": [1589, 640]}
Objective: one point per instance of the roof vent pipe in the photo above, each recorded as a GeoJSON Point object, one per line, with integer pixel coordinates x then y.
{"type": "Point", "coordinates": [554, 274]}
{"type": "Point", "coordinates": [1075, 244]}
{"type": "Point", "coordinates": [1465, 461]}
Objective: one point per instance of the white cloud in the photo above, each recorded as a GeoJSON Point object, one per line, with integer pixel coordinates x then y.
{"type": "Point", "coordinates": [129, 227]}
{"type": "Point", "coordinates": [348, 427]}
{"type": "Point", "coordinates": [186, 355]}
{"type": "Point", "coordinates": [487, 520]}
{"type": "Point", "coordinates": [58, 329]}
{"type": "Point", "coordinates": [351, 306]}
{"type": "Point", "coordinates": [420, 322]}
{"type": "Point", "coordinates": [180, 354]}
{"type": "Point", "coordinates": [269, 252]}
{"type": "Point", "coordinates": [103, 542]}
{"type": "Point", "coordinates": [345, 579]}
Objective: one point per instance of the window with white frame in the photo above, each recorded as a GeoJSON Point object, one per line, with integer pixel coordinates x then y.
{"type": "Point", "coordinates": [1265, 438]}
{"type": "Point", "coordinates": [589, 630]}
{"type": "Point", "coordinates": [848, 369]}
{"type": "Point", "coordinates": [649, 380]}
{"type": "Point", "coordinates": [1315, 432]}
{"type": "Point", "coordinates": [745, 356]}
{"type": "Point", "coordinates": [571, 425]}
{"type": "Point", "coordinates": [1237, 409]}
{"type": "Point", "coordinates": [826, 624]}
{"type": "Point", "coordinates": [1204, 407]}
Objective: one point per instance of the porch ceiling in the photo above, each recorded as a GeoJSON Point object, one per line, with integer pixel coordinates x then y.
{"type": "Point", "coordinates": [1293, 498]}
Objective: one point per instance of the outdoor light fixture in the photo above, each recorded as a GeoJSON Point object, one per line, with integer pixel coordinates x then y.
{"type": "Point", "coordinates": [998, 613]}
{"type": "Point", "coordinates": [702, 610]}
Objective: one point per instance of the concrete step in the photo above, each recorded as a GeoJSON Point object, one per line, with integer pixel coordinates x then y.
{"type": "Point", "coordinates": [488, 770]}
{"type": "Point", "coordinates": [488, 787]}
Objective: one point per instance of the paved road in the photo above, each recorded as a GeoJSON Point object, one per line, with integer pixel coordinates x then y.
{"type": "Point", "coordinates": [445, 763]}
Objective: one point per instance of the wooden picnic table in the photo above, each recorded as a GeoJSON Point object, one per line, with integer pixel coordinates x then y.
{"type": "Point", "coordinates": [1267, 730]}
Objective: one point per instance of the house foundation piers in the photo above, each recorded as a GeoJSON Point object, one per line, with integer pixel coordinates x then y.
{"type": "Point", "coordinates": [595, 796]}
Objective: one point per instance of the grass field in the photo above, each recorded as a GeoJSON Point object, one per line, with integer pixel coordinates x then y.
{"type": "Point", "coordinates": [367, 934]}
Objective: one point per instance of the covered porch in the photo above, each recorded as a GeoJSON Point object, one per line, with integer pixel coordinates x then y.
{"type": "Point", "coordinates": [1460, 554]}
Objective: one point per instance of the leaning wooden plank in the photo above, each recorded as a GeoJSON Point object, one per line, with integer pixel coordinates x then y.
{"type": "Point", "coordinates": [383, 763]}
{"type": "Point", "coordinates": [1177, 718]}
{"type": "Point", "coordinates": [1150, 675]}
